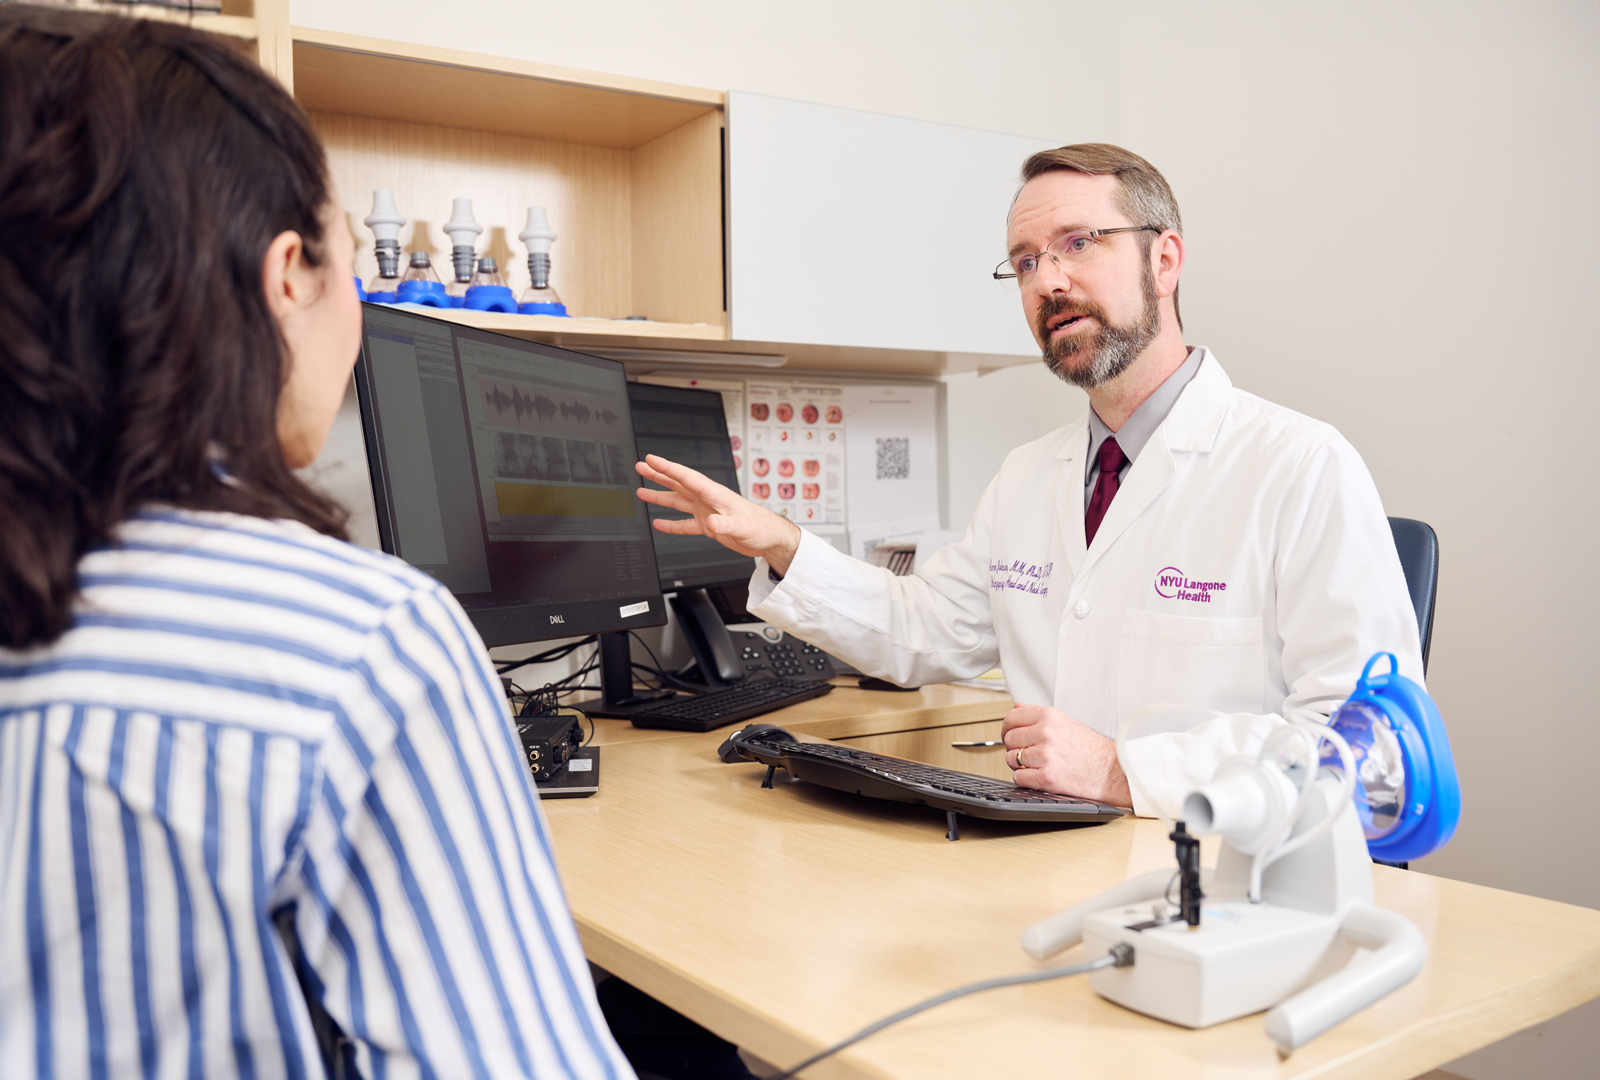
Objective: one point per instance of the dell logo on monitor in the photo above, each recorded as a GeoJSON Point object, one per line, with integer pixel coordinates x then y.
{"type": "Point", "coordinates": [557, 619]}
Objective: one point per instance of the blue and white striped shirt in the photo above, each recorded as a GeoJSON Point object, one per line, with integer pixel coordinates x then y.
{"type": "Point", "coordinates": [246, 716]}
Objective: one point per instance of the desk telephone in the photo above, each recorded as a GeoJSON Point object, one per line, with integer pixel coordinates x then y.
{"type": "Point", "coordinates": [728, 655]}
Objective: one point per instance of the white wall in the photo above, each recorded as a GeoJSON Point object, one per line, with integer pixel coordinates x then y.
{"type": "Point", "coordinates": [1389, 210]}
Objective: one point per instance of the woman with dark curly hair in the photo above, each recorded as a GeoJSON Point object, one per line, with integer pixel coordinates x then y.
{"type": "Point", "coordinates": [261, 803]}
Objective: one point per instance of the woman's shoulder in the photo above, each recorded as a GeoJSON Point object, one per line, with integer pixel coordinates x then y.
{"type": "Point", "coordinates": [278, 561]}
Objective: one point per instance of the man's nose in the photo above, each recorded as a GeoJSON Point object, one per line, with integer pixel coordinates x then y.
{"type": "Point", "coordinates": [1050, 277]}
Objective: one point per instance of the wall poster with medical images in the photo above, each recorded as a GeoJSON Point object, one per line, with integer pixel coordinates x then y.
{"type": "Point", "coordinates": [796, 463]}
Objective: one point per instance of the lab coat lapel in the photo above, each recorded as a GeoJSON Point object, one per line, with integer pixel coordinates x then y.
{"type": "Point", "coordinates": [1192, 425]}
{"type": "Point", "coordinates": [1069, 496]}
{"type": "Point", "coordinates": [1146, 480]}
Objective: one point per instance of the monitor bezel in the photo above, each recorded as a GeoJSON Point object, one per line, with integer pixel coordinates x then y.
{"type": "Point", "coordinates": [511, 624]}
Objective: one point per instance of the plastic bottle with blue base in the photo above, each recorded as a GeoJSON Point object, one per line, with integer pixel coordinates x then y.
{"type": "Point", "coordinates": [539, 298]}
{"type": "Point", "coordinates": [488, 291]}
{"type": "Point", "coordinates": [421, 285]}
{"type": "Point", "coordinates": [361, 293]}
{"type": "Point", "coordinates": [463, 230]}
{"type": "Point", "coordinates": [385, 221]}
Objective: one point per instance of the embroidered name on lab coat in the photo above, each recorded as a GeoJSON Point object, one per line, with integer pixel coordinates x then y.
{"type": "Point", "coordinates": [1019, 576]}
{"type": "Point", "coordinates": [1171, 584]}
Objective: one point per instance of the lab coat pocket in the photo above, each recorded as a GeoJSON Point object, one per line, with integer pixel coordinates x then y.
{"type": "Point", "coordinates": [1202, 664]}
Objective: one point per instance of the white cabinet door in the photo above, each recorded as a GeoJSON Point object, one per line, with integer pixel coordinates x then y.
{"type": "Point", "coordinates": [857, 229]}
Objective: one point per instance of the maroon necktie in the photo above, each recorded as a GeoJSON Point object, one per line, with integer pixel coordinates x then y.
{"type": "Point", "coordinates": [1112, 459]}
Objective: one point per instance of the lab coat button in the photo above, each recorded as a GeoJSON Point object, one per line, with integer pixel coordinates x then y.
{"type": "Point", "coordinates": [1082, 609]}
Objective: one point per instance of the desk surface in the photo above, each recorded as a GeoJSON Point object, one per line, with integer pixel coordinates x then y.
{"type": "Point", "coordinates": [786, 919]}
{"type": "Point", "coordinates": [845, 712]}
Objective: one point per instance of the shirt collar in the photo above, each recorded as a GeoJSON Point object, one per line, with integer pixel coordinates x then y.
{"type": "Point", "coordinates": [1138, 428]}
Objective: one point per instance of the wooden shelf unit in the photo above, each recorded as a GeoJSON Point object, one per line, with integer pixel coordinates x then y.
{"type": "Point", "coordinates": [258, 27]}
{"type": "Point", "coordinates": [629, 171]}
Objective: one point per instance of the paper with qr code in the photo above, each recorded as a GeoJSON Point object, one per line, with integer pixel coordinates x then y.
{"type": "Point", "coordinates": [891, 455]}
{"type": "Point", "coordinates": [796, 459]}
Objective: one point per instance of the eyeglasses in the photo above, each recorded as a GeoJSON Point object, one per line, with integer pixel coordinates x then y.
{"type": "Point", "coordinates": [1072, 248]}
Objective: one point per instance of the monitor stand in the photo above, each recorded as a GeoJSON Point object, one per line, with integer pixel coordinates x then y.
{"type": "Point", "coordinates": [618, 694]}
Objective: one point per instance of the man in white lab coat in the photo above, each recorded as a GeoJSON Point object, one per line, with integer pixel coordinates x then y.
{"type": "Point", "coordinates": [1185, 544]}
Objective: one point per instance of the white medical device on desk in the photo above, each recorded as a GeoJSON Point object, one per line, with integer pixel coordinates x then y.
{"type": "Point", "coordinates": [1277, 923]}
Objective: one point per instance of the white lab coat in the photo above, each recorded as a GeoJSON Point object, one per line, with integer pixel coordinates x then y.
{"type": "Point", "coordinates": [1244, 569]}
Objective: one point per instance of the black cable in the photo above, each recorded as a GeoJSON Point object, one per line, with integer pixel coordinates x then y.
{"type": "Point", "coordinates": [580, 711]}
{"type": "Point", "coordinates": [636, 666]}
{"type": "Point", "coordinates": [1121, 955]}
{"type": "Point", "coordinates": [634, 634]}
{"type": "Point", "coordinates": [560, 652]}
{"type": "Point", "coordinates": [670, 680]}
{"type": "Point", "coordinates": [667, 678]}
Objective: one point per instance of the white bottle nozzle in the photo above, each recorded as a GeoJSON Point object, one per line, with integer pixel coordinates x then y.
{"type": "Point", "coordinates": [538, 235]}
{"type": "Point", "coordinates": [385, 220]}
{"type": "Point", "coordinates": [462, 228]}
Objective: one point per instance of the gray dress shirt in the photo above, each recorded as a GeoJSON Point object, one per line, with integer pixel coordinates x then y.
{"type": "Point", "coordinates": [1138, 428]}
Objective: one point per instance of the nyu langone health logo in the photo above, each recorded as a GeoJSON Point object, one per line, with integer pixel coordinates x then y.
{"type": "Point", "coordinates": [1171, 584]}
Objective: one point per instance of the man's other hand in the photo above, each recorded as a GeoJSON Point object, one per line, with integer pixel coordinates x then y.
{"type": "Point", "coordinates": [726, 517]}
{"type": "Point", "coordinates": [1060, 754]}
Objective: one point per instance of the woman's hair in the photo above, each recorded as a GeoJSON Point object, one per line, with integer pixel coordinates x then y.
{"type": "Point", "coordinates": [144, 170]}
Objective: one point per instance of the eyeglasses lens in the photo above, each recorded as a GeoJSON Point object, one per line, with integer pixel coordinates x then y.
{"type": "Point", "coordinates": [1068, 249]}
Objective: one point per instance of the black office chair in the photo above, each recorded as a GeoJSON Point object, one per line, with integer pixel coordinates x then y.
{"type": "Point", "coordinates": [1418, 546]}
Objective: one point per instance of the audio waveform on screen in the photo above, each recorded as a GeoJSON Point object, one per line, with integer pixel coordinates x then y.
{"type": "Point", "coordinates": [505, 404]}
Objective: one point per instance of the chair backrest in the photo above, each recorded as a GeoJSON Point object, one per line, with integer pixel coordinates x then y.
{"type": "Point", "coordinates": [1418, 546]}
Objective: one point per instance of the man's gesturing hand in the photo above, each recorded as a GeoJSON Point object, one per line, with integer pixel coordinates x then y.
{"type": "Point", "coordinates": [727, 518]}
{"type": "Point", "coordinates": [1060, 754]}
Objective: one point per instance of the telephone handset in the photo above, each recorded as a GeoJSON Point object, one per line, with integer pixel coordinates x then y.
{"type": "Point", "coordinates": [709, 640]}
{"type": "Point", "coordinates": [726, 658]}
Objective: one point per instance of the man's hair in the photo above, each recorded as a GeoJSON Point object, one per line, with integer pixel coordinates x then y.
{"type": "Point", "coordinates": [144, 170]}
{"type": "Point", "coordinates": [1143, 196]}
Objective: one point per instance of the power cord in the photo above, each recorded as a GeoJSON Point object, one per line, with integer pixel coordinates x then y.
{"type": "Point", "coordinates": [549, 656]}
{"type": "Point", "coordinates": [1121, 955]}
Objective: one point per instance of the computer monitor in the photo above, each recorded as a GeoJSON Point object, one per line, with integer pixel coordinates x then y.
{"type": "Point", "coordinates": [505, 468]}
{"type": "Point", "coordinates": [690, 427]}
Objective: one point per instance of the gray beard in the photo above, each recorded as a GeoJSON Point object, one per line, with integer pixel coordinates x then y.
{"type": "Point", "coordinates": [1108, 351]}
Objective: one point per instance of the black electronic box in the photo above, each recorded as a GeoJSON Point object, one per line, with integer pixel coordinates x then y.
{"type": "Point", "coordinates": [549, 743]}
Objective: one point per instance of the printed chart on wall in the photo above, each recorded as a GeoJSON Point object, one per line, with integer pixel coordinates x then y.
{"type": "Point", "coordinates": [796, 460]}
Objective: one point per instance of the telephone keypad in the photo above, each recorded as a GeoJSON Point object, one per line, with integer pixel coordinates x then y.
{"type": "Point", "coordinates": [790, 658]}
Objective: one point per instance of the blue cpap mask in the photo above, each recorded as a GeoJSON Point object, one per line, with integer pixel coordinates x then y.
{"type": "Point", "coordinates": [1407, 794]}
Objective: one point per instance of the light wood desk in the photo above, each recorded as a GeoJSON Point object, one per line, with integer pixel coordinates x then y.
{"type": "Point", "coordinates": [786, 919]}
{"type": "Point", "coordinates": [851, 713]}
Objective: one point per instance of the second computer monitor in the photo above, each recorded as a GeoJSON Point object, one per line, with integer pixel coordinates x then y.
{"type": "Point", "coordinates": [689, 427]}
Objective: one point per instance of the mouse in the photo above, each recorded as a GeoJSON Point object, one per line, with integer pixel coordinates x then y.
{"type": "Point", "coordinates": [729, 750]}
{"type": "Point", "coordinates": [867, 682]}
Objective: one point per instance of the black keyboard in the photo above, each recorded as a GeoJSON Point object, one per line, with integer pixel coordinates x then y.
{"type": "Point", "coordinates": [715, 708]}
{"type": "Point", "coordinates": [880, 776]}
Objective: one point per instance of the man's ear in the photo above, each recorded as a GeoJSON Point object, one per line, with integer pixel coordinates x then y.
{"type": "Point", "coordinates": [285, 277]}
{"type": "Point", "coordinates": [1166, 261]}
